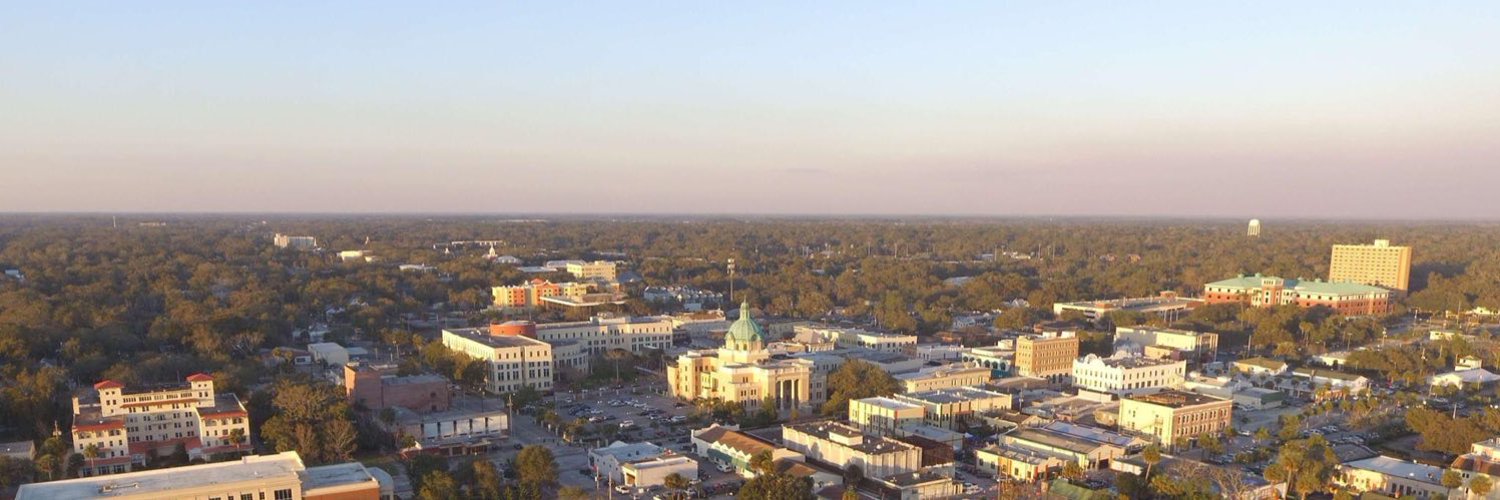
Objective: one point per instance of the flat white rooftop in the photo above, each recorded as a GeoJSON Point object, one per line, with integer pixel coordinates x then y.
{"type": "Point", "coordinates": [161, 482]}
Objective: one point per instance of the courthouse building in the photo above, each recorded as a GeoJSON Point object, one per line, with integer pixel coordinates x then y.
{"type": "Point", "coordinates": [742, 371]}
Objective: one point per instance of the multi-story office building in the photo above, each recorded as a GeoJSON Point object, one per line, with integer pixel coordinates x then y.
{"type": "Point", "coordinates": [1172, 415]}
{"type": "Point", "coordinates": [271, 477]}
{"type": "Point", "coordinates": [126, 425]}
{"type": "Point", "coordinates": [378, 387]}
{"type": "Point", "coordinates": [742, 371]}
{"type": "Point", "coordinates": [1194, 347]}
{"type": "Point", "coordinates": [295, 242]}
{"type": "Point", "coordinates": [1379, 264]}
{"type": "Point", "coordinates": [884, 416]}
{"type": "Point", "coordinates": [841, 445]}
{"type": "Point", "coordinates": [600, 270]}
{"type": "Point", "coordinates": [944, 377]}
{"type": "Point", "coordinates": [515, 361]}
{"type": "Point", "coordinates": [602, 333]}
{"type": "Point", "coordinates": [1347, 299]}
{"type": "Point", "coordinates": [1127, 375]}
{"type": "Point", "coordinates": [1166, 305]}
{"type": "Point", "coordinates": [944, 407]}
{"type": "Point", "coordinates": [1048, 355]}
{"type": "Point", "coordinates": [467, 429]}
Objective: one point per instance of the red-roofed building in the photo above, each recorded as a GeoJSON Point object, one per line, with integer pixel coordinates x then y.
{"type": "Point", "coordinates": [125, 426]}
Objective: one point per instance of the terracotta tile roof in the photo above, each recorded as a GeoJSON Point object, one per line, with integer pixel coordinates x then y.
{"type": "Point", "coordinates": [199, 377]}
{"type": "Point", "coordinates": [108, 384]}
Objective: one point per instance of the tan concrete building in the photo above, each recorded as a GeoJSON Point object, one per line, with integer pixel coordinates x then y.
{"type": "Point", "coordinates": [742, 371]}
{"type": "Point", "coordinates": [883, 416]}
{"type": "Point", "coordinates": [1171, 414]}
{"type": "Point", "coordinates": [127, 424]}
{"type": "Point", "coordinates": [945, 407]}
{"type": "Point", "coordinates": [1049, 355]}
{"type": "Point", "coordinates": [841, 445]}
{"type": "Point", "coordinates": [1378, 264]}
{"type": "Point", "coordinates": [602, 270]}
{"type": "Point", "coordinates": [515, 361]}
{"type": "Point", "coordinates": [944, 377]}
{"type": "Point", "coordinates": [273, 477]}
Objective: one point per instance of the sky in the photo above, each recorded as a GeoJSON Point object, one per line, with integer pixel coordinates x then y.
{"type": "Point", "coordinates": [1339, 109]}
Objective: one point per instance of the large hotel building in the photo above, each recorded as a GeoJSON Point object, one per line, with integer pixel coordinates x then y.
{"type": "Point", "coordinates": [125, 425]}
{"type": "Point", "coordinates": [1347, 299]}
{"type": "Point", "coordinates": [1379, 264]}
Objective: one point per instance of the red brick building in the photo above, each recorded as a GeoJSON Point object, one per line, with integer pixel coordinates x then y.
{"type": "Point", "coordinates": [378, 389]}
{"type": "Point", "coordinates": [1348, 299]}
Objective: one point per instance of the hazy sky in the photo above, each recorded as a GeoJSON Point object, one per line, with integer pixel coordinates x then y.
{"type": "Point", "coordinates": [1252, 109]}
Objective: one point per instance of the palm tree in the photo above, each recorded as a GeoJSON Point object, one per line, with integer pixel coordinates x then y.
{"type": "Point", "coordinates": [1152, 456]}
{"type": "Point", "coordinates": [677, 484]}
{"type": "Point", "coordinates": [91, 452]}
{"type": "Point", "coordinates": [48, 464]}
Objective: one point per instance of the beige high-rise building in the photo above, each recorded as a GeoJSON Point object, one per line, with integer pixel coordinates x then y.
{"type": "Point", "coordinates": [1379, 264]}
{"type": "Point", "coordinates": [1049, 355]}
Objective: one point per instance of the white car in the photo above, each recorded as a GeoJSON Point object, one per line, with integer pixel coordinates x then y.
{"type": "Point", "coordinates": [723, 468]}
{"type": "Point", "coordinates": [627, 423]}
{"type": "Point", "coordinates": [623, 489]}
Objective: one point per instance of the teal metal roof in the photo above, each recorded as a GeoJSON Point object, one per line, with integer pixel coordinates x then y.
{"type": "Point", "coordinates": [1316, 286]}
{"type": "Point", "coordinates": [745, 329]}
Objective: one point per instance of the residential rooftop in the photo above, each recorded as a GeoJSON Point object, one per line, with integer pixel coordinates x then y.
{"type": "Point", "coordinates": [1399, 468]}
{"type": "Point", "coordinates": [1173, 398]}
{"type": "Point", "coordinates": [888, 403]}
{"type": "Point", "coordinates": [873, 445]}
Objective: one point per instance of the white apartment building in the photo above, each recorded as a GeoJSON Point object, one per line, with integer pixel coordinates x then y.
{"type": "Point", "coordinates": [1127, 375]}
{"type": "Point", "coordinates": [125, 425]}
{"type": "Point", "coordinates": [609, 461]}
{"type": "Point", "coordinates": [602, 270]}
{"type": "Point", "coordinates": [515, 361]}
{"type": "Point", "coordinates": [842, 445]}
{"type": "Point", "coordinates": [944, 377]}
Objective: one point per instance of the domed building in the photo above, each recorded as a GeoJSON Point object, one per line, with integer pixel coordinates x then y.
{"type": "Point", "coordinates": [742, 370]}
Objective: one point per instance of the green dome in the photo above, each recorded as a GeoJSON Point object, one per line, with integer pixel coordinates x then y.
{"type": "Point", "coordinates": [745, 329]}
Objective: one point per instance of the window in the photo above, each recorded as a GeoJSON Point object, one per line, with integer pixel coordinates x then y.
{"type": "Point", "coordinates": [285, 494]}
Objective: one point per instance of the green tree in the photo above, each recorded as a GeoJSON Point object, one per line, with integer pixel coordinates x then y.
{"type": "Point", "coordinates": [777, 487]}
{"type": "Point", "coordinates": [487, 484]}
{"type": "Point", "coordinates": [1480, 486]}
{"type": "Point", "coordinates": [1072, 470]}
{"type": "Point", "coordinates": [677, 484]}
{"type": "Point", "coordinates": [761, 464]}
{"type": "Point", "coordinates": [438, 485]}
{"type": "Point", "coordinates": [573, 493]}
{"type": "Point", "coordinates": [535, 465]}
{"type": "Point", "coordinates": [1451, 479]}
{"type": "Point", "coordinates": [1306, 465]}
{"type": "Point", "coordinates": [857, 379]}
